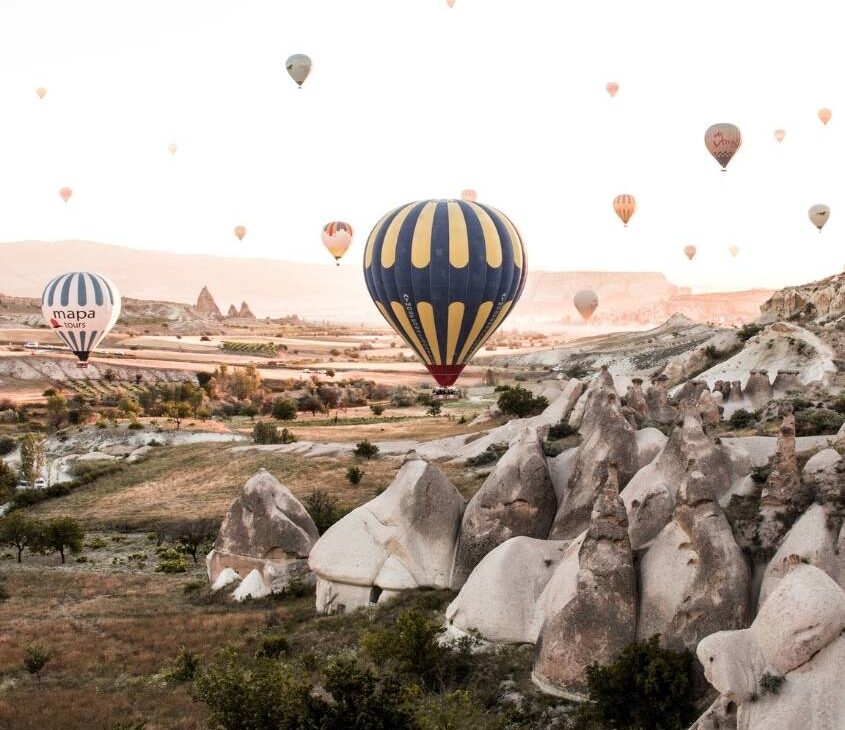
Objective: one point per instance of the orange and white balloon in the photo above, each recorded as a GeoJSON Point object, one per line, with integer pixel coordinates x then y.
{"type": "Point", "coordinates": [825, 115]}
{"type": "Point", "coordinates": [690, 252]}
{"type": "Point", "coordinates": [612, 88]}
{"type": "Point", "coordinates": [780, 134]}
{"type": "Point", "coordinates": [41, 91]}
{"type": "Point", "coordinates": [734, 250]}
{"type": "Point", "coordinates": [337, 238]}
{"type": "Point", "coordinates": [65, 193]}
{"type": "Point", "coordinates": [624, 206]}
{"type": "Point", "coordinates": [722, 141]}
{"type": "Point", "coordinates": [240, 232]}
{"type": "Point", "coordinates": [469, 195]}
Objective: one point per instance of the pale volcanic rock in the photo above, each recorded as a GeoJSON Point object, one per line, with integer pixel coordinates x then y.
{"type": "Point", "coordinates": [657, 398]}
{"type": "Point", "coordinates": [650, 442]}
{"type": "Point", "coordinates": [607, 438]}
{"type": "Point", "coordinates": [245, 312]}
{"type": "Point", "coordinates": [840, 436]}
{"type": "Point", "coordinates": [688, 394]}
{"type": "Point", "coordinates": [818, 301]}
{"type": "Point", "coordinates": [253, 586]}
{"type": "Point", "coordinates": [403, 539]}
{"type": "Point", "coordinates": [206, 306]}
{"type": "Point", "coordinates": [517, 498]}
{"type": "Point", "coordinates": [635, 399]}
{"type": "Point", "coordinates": [824, 472]}
{"type": "Point", "coordinates": [787, 382]}
{"type": "Point", "coordinates": [601, 383]}
{"type": "Point", "coordinates": [232, 313]}
{"type": "Point", "coordinates": [783, 482]}
{"type": "Point", "coordinates": [693, 579]}
{"type": "Point", "coordinates": [499, 598]}
{"type": "Point", "coordinates": [758, 389]}
{"type": "Point", "coordinates": [266, 529]}
{"type": "Point", "coordinates": [599, 618]}
{"type": "Point", "coordinates": [708, 409]}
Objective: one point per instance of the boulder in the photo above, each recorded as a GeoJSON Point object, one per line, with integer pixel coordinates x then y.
{"type": "Point", "coordinates": [401, 540]}
{"type": "Point", "coordinates": [721, 715]}
{"type": "Point", "coordinates": [517, 498]}
{"type": "Point", "coordinates": [825, 474]}
{"type": "Point", "coordinates": [708, 409]}
{"type": "Point", "coordinates": [607, 437]}
{"type": "Point", "coordinates": [499, 598]}
{"type": "Point", "coordinates": [650, 495]}
{"type": "Point", "coordinates": [253, 586]}
{"type": "Point", "coordinates": [693, 578]}
{"type": "Point", "coordinates": [598, 620]}
{"type": "Point", "coordinates": [650, 442]}
{"type": "Point", "coordinates": [266, 529]}
{"type": "Point", "coordinates": [226, 577]}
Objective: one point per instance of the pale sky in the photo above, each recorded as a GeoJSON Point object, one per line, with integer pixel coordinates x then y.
{"type": "Point", "coordinates": [409, 99]}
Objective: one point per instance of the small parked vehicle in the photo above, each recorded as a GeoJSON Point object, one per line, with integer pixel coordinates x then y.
{"type": "Point", "coordinates": [31, 346]}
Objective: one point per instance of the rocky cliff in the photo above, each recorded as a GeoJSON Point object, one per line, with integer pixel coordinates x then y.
{"type": "Point", "coordinates": [820, 302]}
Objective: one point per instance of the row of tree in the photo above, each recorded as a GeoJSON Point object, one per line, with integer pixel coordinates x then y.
{"type": "Point", "coordinates": [59, 535]}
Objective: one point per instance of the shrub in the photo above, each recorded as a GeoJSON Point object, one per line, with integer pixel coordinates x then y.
{"type": "Point", "coordinates": [520, 403]}
{"type": "Point", "coordinates": [135, 426]}
{"type": "Point", "coordinates": [185, 666]}
{"type": "Point", "coordinates": [272, 646]}
{"type": "Point", "coordinates": [817, 422]}
{"type": "Point", "coordinates": [377, 409]}
{"type": "Point", "coordinates": [551, 450]}
{"type": "Point", "coordinates": [742, 419]}
{"type": "Point", "coordinates": [771, 683]}
{"type": "Point", "coordinates": [759, 474]}
{"type": "Point", "coordinates": [645, 687]}
{"type": "Point", "coordinates": [35, 659]}
{"type": "Point", "coordinates": [561, 430]}
{"type": "Point", "coordinates": [295, 588]}
{"type": "Point", "coordinates": [366, 450]}
{"type": "Point", "coordinates": [577, 371]}
{"type": "Point", "coordinates": [323, 508]}
{"type": "Point", "coordinates": [838, 405]}
{"type": "Point", "coordinates": [354, 475]}
{"type": "Point", "coordinates": [7, 445]}
{"type": "Point", "coordinates": [747, 331]}
{"type": "Point", "coordinates": [171, 560]}
{"type": "Point", "coordinates": [492, 453]}
{"type": "Point", "coordinates": [284, 409]}
{"type": "Point", "coordinates": [435, 408]}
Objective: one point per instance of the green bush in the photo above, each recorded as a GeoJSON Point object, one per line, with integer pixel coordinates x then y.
{"type": "Point", "coordinates": [284, 409]}
{"type": "Point", "coordinates": [265, 432]}
{"type": "Point", "coordinates": [377, 409]}
{"type": "Point", "coordinates": [354, 475]}
{"type": "Point", "coordinates": [646, 687]}
{"type": "Point", "coordinates": [577, 371]}
{"type": "Point", "coordinates": [491, 454]}
{"type": "Point", "coordinates": [324, 509]}
{"type": "Point", "coordinates": [7, 445]}
{"type": "Point", "coordinates": [135, 426]}
{"type": "Point", "coordinates": [35, 659]}
{"type": "Point", "coordinates": [561, 430]}
{"type": "Point", "coordinates": [366, 450]}
{"type": "Point", "coordinates": [272, 646]}
{"type": "Point", "coordinates": [817, 422]}
{"type": "Point", "coordinates": [741, 419]}
{"type": "Point", "coordinates": [747, 331]}
{"type": "Point", "coordinates": [520, 403]}
{"type": "Point", "coordinates": [171, 560]}
{"type": "Point", "coordinates": [185, 665]}
{"type": "Point", "coordinates": [771, 683]}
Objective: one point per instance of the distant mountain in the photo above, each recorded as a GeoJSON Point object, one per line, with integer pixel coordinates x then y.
{"type": "Point", "coordinates": [315, 291]}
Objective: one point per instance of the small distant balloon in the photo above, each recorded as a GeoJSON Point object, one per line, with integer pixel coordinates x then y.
{"type": "Point", "coordinates": [469, 195]}
{"type": "Point", "coordinates": [65, 193]}
{"type": "Point", "coordinates": [690, 252]}
{"type": "Point", "coordinates": [612, 88]}
{"type": "Point", "coordinates": [298, 66]}
{"type": "Point", "coordinates": [240, 232]}
{"type": "Point", "coordinates": [819, 215]}
{"type": "Point", "coordinates": [825, 115]}
{"type": "Point", "coordinates": [172, 147]}
{"type": "Point", "coordinates": [41, 91]}
{"type": "Point", "coordinates": [780, 134]}
{"type": "Point", "coordinates": [337, 238]}
{"type": "Point", "coordinates": [734, 250]}
{"type": "Point", "coordinates": [722, 141]}
{"type": "Point", "coordinates": [450, 3]}
{"type": "Point", "coordinates": [586, 302]}
{"type": "Point", "coordinates": [624, 206]}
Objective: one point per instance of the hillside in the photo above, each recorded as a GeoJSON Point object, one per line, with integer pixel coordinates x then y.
{"type": "Point", "coordinates": [280, 288]}
{"type": "Point", "coordinates": [819, 302]}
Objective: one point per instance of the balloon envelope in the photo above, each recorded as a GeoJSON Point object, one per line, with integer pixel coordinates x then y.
{"type": "Point", "coordinates": [586, 301]}
{"type": "Point", "coordinates": [65, 193]}
{"type": "Point", "coordinates": [819, 215]}
{"type": "Point", "coordinates": [450, 3]}
{"type": "Point", "coordinates": [444, 274]}
{"type": "Point", "coordinates": [690, 252]}
{"type": "Point", "coordinates": [172, 147]}
{"type": "Point", "coordinates": [825, 115]}
{"type": "Point", "coordinates": [734, 250]}
{"type": "Point", "coordinates": [780, 134]}
{"type": "Point", "coordinates": [240, 232]}
{"type": "Point", "coordinates": [337, 238]}
{"type": "Point", "coordinates": [612, 88]}
{"type": "Point", "coordinates": [470, 195]}
{"type": "Point", "coordinates": [81, 308]}
{"type": "Point", "coordinates": [298, 66]}
{"type": "Point", "coordinates": [41, 91]}
{"type": "Point", "coordinates": [722, 141]}
{"type": "Point", "coordinates": [624, 206]}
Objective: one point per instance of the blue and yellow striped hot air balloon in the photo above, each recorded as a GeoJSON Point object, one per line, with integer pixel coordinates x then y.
{"type": "Point", "coordinates": [445, 274]}
{"type": "Point", "coordinates": [81, 308]}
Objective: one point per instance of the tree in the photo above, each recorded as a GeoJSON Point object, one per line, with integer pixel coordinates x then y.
{"type": "Point", "coordinates": [130, 407]}
{"type": "Point", "coordinates": [7, 445]}
{"type": "Point", "coordinates": [310, 402]}
{"type": "Point", "coordinates": [377, 409]}
{"type": "Point", "coordinates": [176, 411]}
{"type": "Point", "coordinates": [323, 508]}
{"type": "Point", "coordinates": [63, 533]}
{"type": "Point", "coordinates": [35, 659]}
{"type": "Point", "coordinates": [191, 534]}
{"type": "Point", "coordinates": [366, 450]}
{"type": "Point", "coordinates": [741, 419]}
{"type": "Point", "coordinates": [284, 409]}
{"type": "Point", "coordinates": [7, 480]}
{"type": "Point", "coordinates": [57, 412]}
{"type": "Point", "coordinates": [32, 457]}
{"type": "Point", "coordinates": [354, 475]}
{"type": "Point", "coordinates": [520, 402]}
{"type": "Point", "coordinates": [250, 409]}
{"type": "Point", "coordinates": [20, 532]}
{"type": "Point", "coordinates": [329, 396]}
{"type": "Point", "coordinates": [435, 408]}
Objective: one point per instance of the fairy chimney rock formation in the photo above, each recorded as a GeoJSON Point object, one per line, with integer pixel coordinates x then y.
{"type": "Point", "coordinates": [232, 313]}
{"type": "Point", "coordinates": [786, 382]}
{"type": "Point", "coordinates": [758, 389]}
{"type": "Point", "coordinates": [206, 305]}
{"type": "Point", "coordinates": [245, 312]}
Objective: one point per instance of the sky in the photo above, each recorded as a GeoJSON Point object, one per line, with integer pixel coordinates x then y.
{"type": "Point", "coordinates": [409, 99]}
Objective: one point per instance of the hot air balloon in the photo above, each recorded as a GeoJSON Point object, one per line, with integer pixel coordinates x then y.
{"type": "Point", "coordinates": [444, 274]}
{"type": "Point", "coordinates": [337, 238]}
{"type": "Point", "coordinates": [469, 195]}
{"type": "Point", "coordinates": [780, 134]}
{"type": "Point", "coordinates": [41, 91]}
{"type": "Point", "coordinates": [612, 88]}
{"type": "Point", "coordinates": [825, 115]}
{"type": "Point", "coordinates": [172, 147]}
{"type": "Point", "coordinates": [586, 301]}
{"type": "Point", "coordinates": [690, 252]}
{"type": "Point", "coordinates": [81, 308]}
{"type": "Point", "coordinates": [819, 215]}
{"type": "Point", "coordinates": [298, 66]}
{"type": "Point", "coordinates": [624, 206]}
{"type": "Point", "coordinates": [240, 232]}
{"type": "Point", "coordinates": [450, 3]}
{"type": "Point", "coordinates": [722, 141]}
{"type": "Point", "coordinates": [65, 193]}
{"type": "Point", "coordinates": [734, 250]}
